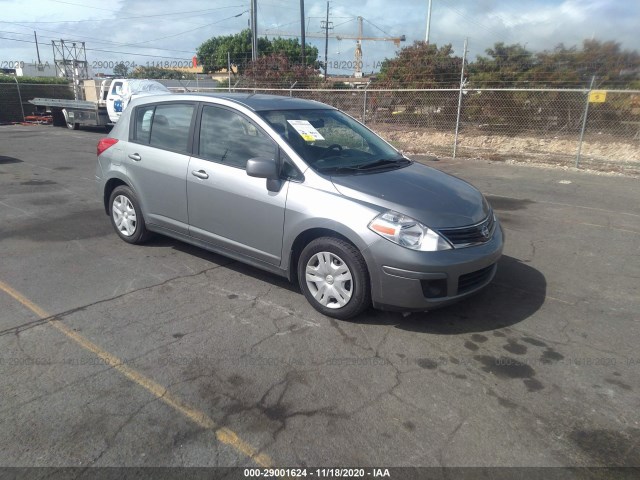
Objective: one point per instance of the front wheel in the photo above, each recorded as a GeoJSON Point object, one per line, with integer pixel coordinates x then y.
{"type": "Point", "coordinates": [126, 216]}
{"type": "Point", "coordinates": [334, 278]}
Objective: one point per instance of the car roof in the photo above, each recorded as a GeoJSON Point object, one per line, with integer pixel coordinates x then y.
{"type": "Point", "coordinates": [254, 101]}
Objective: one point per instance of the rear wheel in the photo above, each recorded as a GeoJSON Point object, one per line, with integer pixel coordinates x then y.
{"type": "Point", "coordinates": [70, 125]}
{"type": "Point", "coordinates": [57, 117]}
{"type": "Point", "coordinates": [126, 216]}
{"type": "Point", "coordinates": [333, 277]}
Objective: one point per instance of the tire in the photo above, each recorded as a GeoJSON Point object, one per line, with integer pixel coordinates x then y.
{"type": "Point", "coordinates": [123, 203]}
{"type": "Point", "coordinates": [70, 125]}
{"type": "Point", "coordinates": [57, 117]}
{"type": "Point", "coordinates": [338, 283]}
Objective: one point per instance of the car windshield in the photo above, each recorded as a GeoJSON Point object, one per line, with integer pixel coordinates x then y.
{"type": "Point", "coordinates": [333, 143]}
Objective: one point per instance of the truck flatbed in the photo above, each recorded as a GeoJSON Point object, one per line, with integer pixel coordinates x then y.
{"type": "Point", "coordinates": [62, 103]}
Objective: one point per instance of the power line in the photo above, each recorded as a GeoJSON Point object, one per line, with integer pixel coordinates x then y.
{"type": "Point", "coordinates": [104, 51]}
{"type": "Point", "coordinates": [186, 31]}
{"type": "Point", "coordinates": [81, 5]}
{"type": "Point", "coordinates": [97, 40]}
{"type": "Point", "coordinates": [375, 26]}
{"type": "Point", "coordinates": [470, 20]}
{"type": "Point", "coordinates": [123, 18]}
{"type": "Point", "coordinates": [139, 43]}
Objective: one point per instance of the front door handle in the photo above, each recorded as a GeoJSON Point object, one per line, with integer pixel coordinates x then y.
{"type": "Point", "coordinates": [200, 174]}
{"type": "Point", "coordinates": [135, 156]}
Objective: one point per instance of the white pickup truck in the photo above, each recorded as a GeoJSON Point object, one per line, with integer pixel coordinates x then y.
{"type": "Point", "coordinates": [97, 102]}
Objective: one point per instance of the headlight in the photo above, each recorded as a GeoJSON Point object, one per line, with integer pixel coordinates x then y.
{"type": "Point", "coordinates": [407, 232]}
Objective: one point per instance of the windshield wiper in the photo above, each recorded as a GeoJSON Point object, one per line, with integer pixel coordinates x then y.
{"type": "Point", "coordinates": [367, 167]}
{"type": "Point", "coordinates": [339, 169]}
{"type": "Point", "coordinates": [383, 163]}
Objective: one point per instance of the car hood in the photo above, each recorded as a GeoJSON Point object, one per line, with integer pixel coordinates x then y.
{"type": "Point", "coordinates": [432, 197]}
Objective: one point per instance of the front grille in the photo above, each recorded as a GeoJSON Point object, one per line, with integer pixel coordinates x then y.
{"type": "Point", "coordinates": [471, 235]}
{"type": "Point", "coordinates": [469, 281]}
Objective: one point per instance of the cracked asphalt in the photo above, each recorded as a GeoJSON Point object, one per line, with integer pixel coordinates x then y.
{"type": "Point", "coordinates": [540, 369]}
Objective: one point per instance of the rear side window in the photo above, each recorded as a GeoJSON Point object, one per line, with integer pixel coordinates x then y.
{"type": "Point", "coordinates": [164, 126]}
{"type": "Point", "coordinates": [170, 127]}
{"type": "Point", "coordinates": [230, 138]}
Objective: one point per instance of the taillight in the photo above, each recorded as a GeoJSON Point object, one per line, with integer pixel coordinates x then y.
{"type": "Point", "coordinates": [106, 143]}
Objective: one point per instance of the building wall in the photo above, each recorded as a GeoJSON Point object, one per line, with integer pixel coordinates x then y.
{"type": "Point", "coordinates": [33, 70]}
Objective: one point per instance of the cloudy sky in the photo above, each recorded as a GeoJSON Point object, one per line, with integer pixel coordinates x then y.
{"type": "Point", "coordinates": [144, 31]}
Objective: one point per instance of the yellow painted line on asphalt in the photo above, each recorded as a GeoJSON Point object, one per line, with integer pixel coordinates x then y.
{"type": "Point", "coordinates": [224, 435]}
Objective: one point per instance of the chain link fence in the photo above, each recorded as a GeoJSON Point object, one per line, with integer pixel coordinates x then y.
{"type": "Point", "coordinates": [531, 125]}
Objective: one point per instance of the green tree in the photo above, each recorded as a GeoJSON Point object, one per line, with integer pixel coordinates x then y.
{"type": "Point", "coordinates": [421, 65]}
{"type": "Point", "coordinates": [292, 49]}
{"type": "Point", "coordinates": [560, 67]}
{"type": "Point", "coordinates": [276, 69]}
{"type": "Point", "coordinates": [156, 72]}
{"type": "Point", "coordinates": [121, 70]}
{"type": "Point", "coordinates": [212, 54]}
{"type": "Point", "coordinates": [504, 66]}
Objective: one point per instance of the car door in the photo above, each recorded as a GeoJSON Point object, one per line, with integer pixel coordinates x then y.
{"type": "Point", "coordinates": [157, 159]}
{"type": "Point", "coordinates": [114, 100]}
{"type": "Point", "coordinates": [227, 207]}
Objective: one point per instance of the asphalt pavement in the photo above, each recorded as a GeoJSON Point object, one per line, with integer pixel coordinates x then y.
{"type": "Point", "coordinates": [167, 355]}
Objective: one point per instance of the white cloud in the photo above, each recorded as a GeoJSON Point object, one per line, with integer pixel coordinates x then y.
{"type": "Point", "coordinates": [540, 24]}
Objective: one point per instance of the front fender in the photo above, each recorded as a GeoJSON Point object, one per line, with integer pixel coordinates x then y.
{"type": "Point", "coordinates": [309, 208]}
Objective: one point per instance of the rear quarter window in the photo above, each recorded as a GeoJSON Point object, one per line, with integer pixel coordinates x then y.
{"type": "Point", "coordinates": [142, 130]}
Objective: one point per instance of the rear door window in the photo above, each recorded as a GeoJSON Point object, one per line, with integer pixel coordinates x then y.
{"type": "Point", "coordinates": [165, 126]}
{"type": "Point", "coordinates": [170, 127]}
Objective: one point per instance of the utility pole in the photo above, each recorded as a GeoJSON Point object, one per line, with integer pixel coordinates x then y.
{"type": "Point", "coordinates": [326, 27]}
{"type": "Point", "coordinates": [464, 58]}
{"type": "Point", "coordinates": [254, 30]}
{"type": "Point", "coordinates": [302, 53]}
{"type": "Point", "coordinates": [426, 39]}
{"type": "Point", "coordinates": [584, 122]}
{"type": "Point", "coordinates": [37, 49]}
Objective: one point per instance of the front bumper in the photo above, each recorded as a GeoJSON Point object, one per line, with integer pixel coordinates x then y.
{"type": "Point", "coordinates": [409, 280]}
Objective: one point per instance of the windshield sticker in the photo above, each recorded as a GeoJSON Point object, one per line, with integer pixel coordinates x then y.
{"type": "Point", "coordinates": [306, 130]}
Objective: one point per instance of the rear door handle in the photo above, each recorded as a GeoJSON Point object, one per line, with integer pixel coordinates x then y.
{"type": "Point", "coordinates": [135, 156]}
{"type": "Point", "coordinates": [200, 174]}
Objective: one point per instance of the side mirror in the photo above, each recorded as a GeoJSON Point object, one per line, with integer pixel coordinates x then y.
{"type": "Point", "coordinates": [263, 168]}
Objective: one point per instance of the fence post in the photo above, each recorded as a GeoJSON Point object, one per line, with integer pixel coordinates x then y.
{"type": "Point", "coordinates": [364, 106]}
{"type": "Point", "coordinates": [455, 138]}
{"type": "Point", "coordinates": [291, 88]}
{"type": "Point", "coordinates": [19, 97]}
{"type": "Point", "coordinates": [584, 123]}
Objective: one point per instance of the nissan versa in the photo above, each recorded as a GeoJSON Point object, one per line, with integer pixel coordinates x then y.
{"type": "Point", "coordinates": [300, 189]}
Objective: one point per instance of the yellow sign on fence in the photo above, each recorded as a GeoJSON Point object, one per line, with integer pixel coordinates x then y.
{"type": "Point", "coordinates": [597, 96]}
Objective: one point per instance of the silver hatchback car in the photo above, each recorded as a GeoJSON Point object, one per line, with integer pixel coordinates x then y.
{"type": "Point", "coordinates": [300, 189]}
